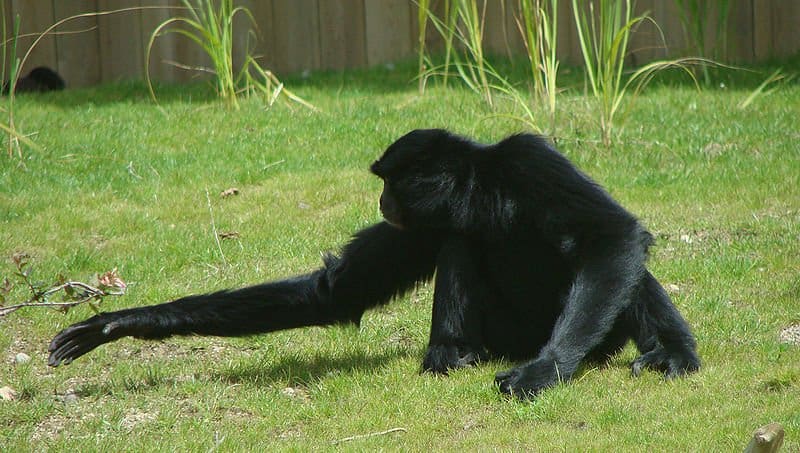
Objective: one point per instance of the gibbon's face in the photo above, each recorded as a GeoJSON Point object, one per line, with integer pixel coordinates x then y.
{"type": "Point", "coordinates": [415, 187]}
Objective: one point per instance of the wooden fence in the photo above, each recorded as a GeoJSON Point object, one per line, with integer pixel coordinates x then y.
{"type": "Point", "coordinates": [298, 35]}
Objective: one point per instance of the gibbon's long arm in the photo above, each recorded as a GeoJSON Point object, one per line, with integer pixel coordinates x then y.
{"type": "Point", "coordinates": [379, 263]}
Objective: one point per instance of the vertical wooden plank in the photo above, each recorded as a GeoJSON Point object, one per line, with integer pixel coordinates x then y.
{"type": "Point", "coordinates": [33, 20]}
{"type": "Point", "coordinates": [8, 24]}
{"type": "Point", "coordinates": [413, 21]}
{"type": "Point", "coordinates": [504, 29]}
{"type": "Point", "coordinates": [164, 48]}
{"type": "Point", "coordinates": [644, 36]}
{"type": "Point", "coordinates": [296, 35]}
{"type": "Point", "coordinates": [673, 43]}
{"type": "Point", "coordinates": [710, 29]}
{"type": "Point", "coordinates": [716, 46]}
{"type": "Point", "coordinates": [387, 32]}
{"type": "Point", "coordinates": [495, 32]}
{"type": "Point", "coordinates": [121, 48]}
{"type": "Point", "coordinates": [740, 32]}
{"type": "Point", "coordinates": [762, 28]}
{"type": "Point", "coordinates": [191, 61]}
{"type": "Point", "coordinates": [433, 39]}
{"type": "Point", "coordinates": [77, 52]}
{"type": "Point", "coordinates": [566, 31]}
{"type": "Point", "coordinates": [515, 42]}
{"type": "Point", "coordinates": [434, 42]}
{"type": "Point", "coordinates": [785, 28]}
{"type": "Point", "coordinates": [173, 57]}
{"type": "Point", "coordinates": [718, 30]}
{"type": "Point", "coordinates": [575, 55]}
{"type": "Point", "coordinates": [501, 33]}
{"type": "Point", "coordinates": [253, 35]}
{"type": "Point", "coordinates": [342, 34]}
{"type": "Point", "coordinates": [658, 44]}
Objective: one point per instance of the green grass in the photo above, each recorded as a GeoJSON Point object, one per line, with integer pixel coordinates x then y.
{"type": "Point", "coordinates": [119, 184]}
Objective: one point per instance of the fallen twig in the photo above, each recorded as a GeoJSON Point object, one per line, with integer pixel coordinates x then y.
{"type": "Point", "coordinates": [364, 436]}
{"type": "Point", "coordinates": [89, 293]}
{"type": "Point", "coordinates": [214, 229]}
{"type": "Point", "coordinates": [75, 293]}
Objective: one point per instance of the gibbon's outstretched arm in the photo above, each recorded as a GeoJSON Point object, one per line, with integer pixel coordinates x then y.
{"type": "Point", "coordinates": [379, 263]}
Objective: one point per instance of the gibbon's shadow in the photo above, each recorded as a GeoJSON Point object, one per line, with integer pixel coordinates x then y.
{"type": "Point", "coordinates": [299, 370]}
{"type": "Point", "coordinates": [296, 370]}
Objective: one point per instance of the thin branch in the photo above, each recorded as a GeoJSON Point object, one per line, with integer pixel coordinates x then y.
{"type": "Point", "coordinates": [189, 68]}
{"type": "Point", "coordinates": [214, 228]}
{"type": "Point", "coordinates": [49, 30]}
{"type": "Point", "coordinates": [92, 293]}
{"type": "Point", "coordinates": [53, 33]}
{"type": "Point", "coordinates": [364, 436]}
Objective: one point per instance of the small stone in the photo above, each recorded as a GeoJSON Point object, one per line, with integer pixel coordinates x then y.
{"type": "Point", "coordinates": [68, 398]}
{"type": "Point", "coordinates": [767, 439]}
{"type": "Point", "coordinates": [21, 358]}
{"type": "Point", "coordinates": [672, 288]}
{"type": "Point", "coordinates": [229, 192]}
{"type": "Point", "coordinates": [296, 392]}
{"type": "Point", "coordinates": [790, 335]}
{"type": "Point", "coordinates": [7, 394]}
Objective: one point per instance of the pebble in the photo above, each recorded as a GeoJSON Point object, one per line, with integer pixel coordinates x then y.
{"type": "Point", "coordinates": [7, 394]}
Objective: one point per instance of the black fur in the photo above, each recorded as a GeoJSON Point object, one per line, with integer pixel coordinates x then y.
{"type": "Point", "coordinates": [533, 261]}
{"type": "Point", "coordinates": [39, 80]}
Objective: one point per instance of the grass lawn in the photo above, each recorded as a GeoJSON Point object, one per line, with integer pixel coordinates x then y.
{"type": "Point", "coordinates": [121, 183]}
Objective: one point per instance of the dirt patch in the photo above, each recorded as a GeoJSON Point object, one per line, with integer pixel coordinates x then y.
{"type": "Point", "coordinates": [790, 335]}
{"type": "Point", "coordinates": [52, 426]}
{"type": "Point", "coordinates": [135, 418]}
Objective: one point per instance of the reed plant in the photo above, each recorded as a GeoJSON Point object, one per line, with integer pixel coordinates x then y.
{"type": "Point", "coordinates": [538, 25]}
{"type": "Point", "coordinates": [695, 17]}
{"type": "Point", "coordinates": [446, 27]}
{"type": "Point", "coordinates": [423, 10]}
{"type": "Point", "coordinates": [209, 24]}
{"type": "Point", "coordinates": [775, 79]}
{"type": "Point", "coordinates": [9, 74]}
{"type": "Point", "coordinates": [462, 29]}
{"type": "Point", "coordinates": [604, 35]}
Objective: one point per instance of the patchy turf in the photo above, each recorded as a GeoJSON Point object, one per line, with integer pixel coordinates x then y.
{"type": "Point", "coordinates": [120, 183]}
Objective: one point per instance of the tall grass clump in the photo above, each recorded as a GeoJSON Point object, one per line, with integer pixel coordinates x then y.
{"type": "Point", "coordinates": [446, 27]}
{"type": "Point", "coordinates": [695, 18]}
{"type": "Point", "coordinates": [451, 17]}
{"type": "Point", "coordinates": [209, 24]}
{"type": "Point", "coordinates": [462, 31]}
{"type": "Point", "coordinates": [423, 7]}
{"type": "Point", "coordinates": [9, 76]}
{"type": "Point", "coordinates": [761, 90]}
{"type": "Point", "coordinates": [15, 137]}
{"type": "Point", "coordinates": [10, 47]}
{"type": "Point", "coordinates": [603, 37]}
{"type": "Point", "coordinates": [538, 25]}
{"type": "Point", "coordinates": [471, 66]}
{"type": "Point", "coordinates": [462, 28]}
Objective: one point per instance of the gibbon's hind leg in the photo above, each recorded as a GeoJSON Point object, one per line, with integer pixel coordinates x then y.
{"type": "Point", "coordinates": [675, 352]}
{"type": "Point", "coordinates": [459, 297]}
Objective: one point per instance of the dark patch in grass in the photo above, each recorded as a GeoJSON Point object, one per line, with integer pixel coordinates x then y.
{"type": "Point", "coordinates": [150, 378]}
{"type": "Point", "coordinates": [299, 371]}
{"type": "Point", "coordinates": [781, 383]}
